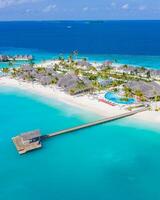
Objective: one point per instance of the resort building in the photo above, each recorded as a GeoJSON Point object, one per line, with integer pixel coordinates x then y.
{"type": "Point", "coordinates": [149, 89]}
{"type": "Point", "coordinates": [105, 82]}
{"type": "Point", "coordinates": [27, 68]}
{"type": "Point", "coordinates": [155, 74]}
{"type": "Point", "coordinates": [22, 57]}
{"type": "Point", "coordinates": [105, 65]}
{"type": "Point", "coordinates": [82, 64]}
{"type": "Point", "coordinates": [6, 58]}
{"type": "Point", "coordinates": [27, 141]}
{"type": "Point", "coordinates": [69, 79]}
{"type": "Point", "coordinates": [3, 58]}
{"type": "Point", "coordinates": [126, 69]}
{"type": "Point", "coordinates": [73, 84]}
{"type": "Point", "coordinates": [45, 80]}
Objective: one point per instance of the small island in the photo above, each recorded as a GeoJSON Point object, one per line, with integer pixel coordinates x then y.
{"type": "Point", "coordinates": [105, 88]}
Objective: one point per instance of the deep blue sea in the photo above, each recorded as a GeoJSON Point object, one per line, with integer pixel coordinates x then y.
{"type": "Point", "coordinates": [115, 161]}
{"type": "Point", "coordinates": [119, 160]}
{"type": "Point", "coordinates": [130, 42]}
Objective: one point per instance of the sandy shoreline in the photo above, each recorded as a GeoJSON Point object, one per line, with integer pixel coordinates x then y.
{"type": "Point", "coordinates": [83, 102]}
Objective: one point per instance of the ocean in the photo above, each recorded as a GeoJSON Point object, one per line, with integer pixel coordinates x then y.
{"type": "Point", "coordinates": [128, 42]}
{"type": "Point", "coordinates": [118, 160]}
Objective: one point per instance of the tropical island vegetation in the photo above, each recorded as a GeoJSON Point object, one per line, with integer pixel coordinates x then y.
{"type": "Point", "coordinates": [76, 77]}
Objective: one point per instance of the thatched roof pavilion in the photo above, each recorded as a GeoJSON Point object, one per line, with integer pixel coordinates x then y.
{"type": "Point", "coordinates": [83, 64]}
{"type": "Point", "coordinates": [27, 141]}
{"type": "Point", "coordinates": [70, 81]}
{"type": "Point", "coordinates": [30, 135]}
{"type": "Point", "coordinates": [45, 80]}
{"type": "Point", "coordinates": [149, 89]}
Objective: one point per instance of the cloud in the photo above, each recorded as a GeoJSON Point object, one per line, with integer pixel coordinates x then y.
{"type": "Point", "coordinates": [8, 3]}
{"type": "Point", "coordinates": [28, 10]}
{"type": "Point", "coordinates": [49, 8]}
{"type": "Point", "coordinates": [113, 4]}
{"type": "Point", "coordinates": [143, 7]}
{"type": "Point", "coordinates": [125, 6]}
{"type": "Point", "coordinates": [85, 8]}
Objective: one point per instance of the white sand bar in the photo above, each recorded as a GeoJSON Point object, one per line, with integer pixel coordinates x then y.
{"type": "Point", "coordinates": [86, 102]}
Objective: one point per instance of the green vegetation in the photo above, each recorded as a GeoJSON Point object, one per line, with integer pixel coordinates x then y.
{"type": "Point", "coordinates": [128, 92]}
{"type": "Point", "coordinates": [124, 98]}
{"type": "Point", "coordinates": [89, 72]}
{"type": "Point", "coordinates": [140, 94]}
{"type": "Point", "coordinates": [5, 70]}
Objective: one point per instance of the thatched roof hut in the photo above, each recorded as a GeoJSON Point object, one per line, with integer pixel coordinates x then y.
{"type": "Point", "coordinates": [4, 58]}
{"type": "Point", "coordinates": [45, 80]}
{"type": "Point", "coordinates": [72, 82]}
{"type": "Point", "coordinates": [68, 80]}
{"type": "Point", "coordinates": [30, 135]}
{"type": "Point", "coordinates": [83, 64]}
{"type": "Point", "coordinates": [27, 67]}
{"type": "Point", "coordinates": [149, 89]}
{"type": "Point", "coordinates": [155, 73]}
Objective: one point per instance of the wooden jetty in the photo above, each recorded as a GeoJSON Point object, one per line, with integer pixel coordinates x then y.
{"type": "Point", "coordinates": [95, 123]}
{"type": "Point", "coordinates": [32, 140]}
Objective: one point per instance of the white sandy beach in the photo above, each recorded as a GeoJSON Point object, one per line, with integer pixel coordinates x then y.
{"type": "Point", "coordinates": [86, 102]}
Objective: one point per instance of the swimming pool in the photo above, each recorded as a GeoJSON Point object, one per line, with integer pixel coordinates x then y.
{"type": "Point", "coordinates": [115, 98]}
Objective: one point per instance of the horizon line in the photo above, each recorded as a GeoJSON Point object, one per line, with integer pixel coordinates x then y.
{"type": "Point", "coordinates": [77, 20]}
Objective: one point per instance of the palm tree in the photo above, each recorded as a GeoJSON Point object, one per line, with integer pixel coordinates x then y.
{"type": "Point", "coordinates": [75, 53]}
{"type": "Point", "coordinates": [77, 72]}
{"type": "Point", "coordinates": [92, 68]}
{"type": "Point", "coordinates": [115, 60]}
{"type": "Point", "coordinates": [61, 58]}
{"type": "Point", "coordinates": [5, 70]}
{"type": "Point", "coordinates": [148, 74]}
{"type": "Point", "coordinates": [140, 94]}
{"type": "Point", "coordinates": [14, 72]}
{"type": "Point", "coordinates": [92, 77]}
{"type": "Point", "coordinates": [54, 81]}
{"type": "Point", "coordinates": [128, 92]}
{"type": "Point", "coordinates": [10, 64]}
{"type": "Point", "coordinates": [40, 69]}
{"type": "Point", "coordinates": [56, 67]}
{"type": "Point", "coordinates": [31, 63]}
{"type": "Point", "coordinates": [72, 91]}
{"type": "Point", "coordinates": [136, 71]}
{"type": "Point", "coordinates": [142, 69]}
{"type": "Point", "coordinates": [70, 58]}
{"type": "Point", "coordinates": [96, 85]}
{"type": "Point", "coordinates": [156, 98]}
{"type": "Point", "coordinates": [125, 66]}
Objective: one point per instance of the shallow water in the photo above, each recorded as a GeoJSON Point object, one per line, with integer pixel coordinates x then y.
{"type": "Point", "coordinates": [128, 42]}
{"type": "Point", "coordinates": [118, 160]}
{"type": "Point", "coordinates": [42, 55]}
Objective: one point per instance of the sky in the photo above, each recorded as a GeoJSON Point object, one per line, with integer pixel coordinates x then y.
{"type": "Point", "coordinates": [79, 9]}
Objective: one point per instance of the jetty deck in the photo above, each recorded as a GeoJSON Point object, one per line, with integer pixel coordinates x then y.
{"type": "Point", "coordinates": [32, 140]}
{"type": "Point", "coordinates": [27, 142]}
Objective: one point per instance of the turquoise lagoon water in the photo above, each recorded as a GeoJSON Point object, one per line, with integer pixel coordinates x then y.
{"type": "Point", "coordinates": [41, 55]}
{"type": "Point", "coordinates": [118, 160]}
{"type": "Point", "coordinates": [115, 98]}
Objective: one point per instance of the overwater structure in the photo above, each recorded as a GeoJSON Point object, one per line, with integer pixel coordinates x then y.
{"type": "Point", "coordinates": [33, 140]}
